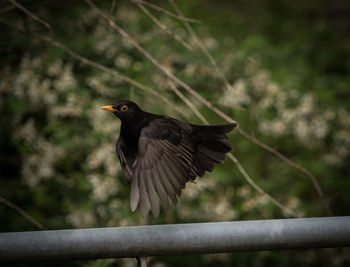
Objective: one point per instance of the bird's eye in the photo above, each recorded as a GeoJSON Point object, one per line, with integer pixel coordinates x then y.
{"type": "Point", "coordinates": [124, 108]}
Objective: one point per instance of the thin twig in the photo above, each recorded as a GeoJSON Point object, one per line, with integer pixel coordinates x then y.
{"type": "Point", "coordinates": [292, 164]}
{"type": "Point", "coordinates": [22, 212]}
{"type": "Point", "coordinates": [284, 158]}
{"type": "Point", "coordinates": [8, 8]}
{"type": "Point", "coordinates": [170, 14]}
{"type": "Point", "coordinates": [202, 47]}
{"type": "Point", "coordinates": [259, 189]}
{"type": "Point", "coordinates": [111, 10]}
{"type": "Point", "coordinates": [27, 3]}
{"type": "Point", "coordinates": [110, 71]}
{"type": "Point", "coordinates": [187, 102]}
{"type": "Point", "coordinates": [30, 14]}
{"type": "Point", "coordinates": [165, 28]}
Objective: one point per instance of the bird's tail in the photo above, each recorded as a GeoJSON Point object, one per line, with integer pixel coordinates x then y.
{"type": "Point", "coordinates": [212, 145]}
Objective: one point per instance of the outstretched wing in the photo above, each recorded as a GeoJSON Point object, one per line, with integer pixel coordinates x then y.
{"type": "Point", "coordinates": [162, 167]}
{"type": "Point", "coordinates": [170, 153]}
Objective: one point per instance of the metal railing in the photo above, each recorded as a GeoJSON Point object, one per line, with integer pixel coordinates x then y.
{"type": "Point", "coordinates": [176, 239]}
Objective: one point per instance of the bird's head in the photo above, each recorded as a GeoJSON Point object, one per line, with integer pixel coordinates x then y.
{"type": "Point", "coordinates": [124, 109]}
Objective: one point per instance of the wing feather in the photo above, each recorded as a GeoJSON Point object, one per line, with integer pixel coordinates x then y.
{"type": "Point", "coordinates": [144, 199]}
{"type": "Point", "coordinates": [152, 194]}
{"type": "Point", "coordinates": [163, 195]}
{"type": "Point", "coordinates": [134, 194]}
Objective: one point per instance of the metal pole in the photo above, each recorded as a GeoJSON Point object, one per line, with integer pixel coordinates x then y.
{"type": "Point", "coordinates": [176, 239]}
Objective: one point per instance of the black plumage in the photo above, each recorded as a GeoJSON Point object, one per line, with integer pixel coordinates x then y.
{"type": "Point", "coordinates": [160, 154]}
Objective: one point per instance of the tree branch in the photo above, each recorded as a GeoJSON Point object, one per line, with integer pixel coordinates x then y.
{"type": "Point", "coordinates": [30, 14]}
{"type": "Point", "coordinates": [22, 212]}
{"type": "Point", "coordinates": [160, 9]}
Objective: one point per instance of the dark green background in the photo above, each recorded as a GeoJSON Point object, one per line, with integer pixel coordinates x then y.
{"type": "Point", "coordinates": [288, 62]}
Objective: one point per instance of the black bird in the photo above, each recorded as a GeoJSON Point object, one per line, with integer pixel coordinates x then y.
{"type": "Point", "coordinates": [160, 154]}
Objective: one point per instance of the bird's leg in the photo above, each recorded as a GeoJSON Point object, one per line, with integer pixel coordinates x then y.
{"type": "Point", "coordinates": [141, 261]}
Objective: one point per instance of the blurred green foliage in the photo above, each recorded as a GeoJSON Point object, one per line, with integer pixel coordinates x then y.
{"type": "Point", "coordinates": [288, 63]}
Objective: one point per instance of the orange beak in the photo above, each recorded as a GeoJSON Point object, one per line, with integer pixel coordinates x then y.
{"type": "Point", "coordinates": [109, 108]}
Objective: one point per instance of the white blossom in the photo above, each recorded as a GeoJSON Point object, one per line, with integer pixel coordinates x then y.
{"type": "Point", "coordinates": [236, 95]}
{"type": "Point", "coordinates": [81, 218]}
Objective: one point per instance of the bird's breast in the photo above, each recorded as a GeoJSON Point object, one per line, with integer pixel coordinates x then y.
{"type": "Point", "coordinates": [130, 132]}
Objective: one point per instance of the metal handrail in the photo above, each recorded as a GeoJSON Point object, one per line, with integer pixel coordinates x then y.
{"type": "Point", "coordinates": [176, 239]}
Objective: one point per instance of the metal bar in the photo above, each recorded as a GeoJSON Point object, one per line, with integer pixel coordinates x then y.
{"type": "Point", "coordinates": [176, 239]}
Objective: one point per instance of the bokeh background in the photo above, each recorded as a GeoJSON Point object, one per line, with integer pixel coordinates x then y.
{"type": "Point", "coordinates": [288, 68]}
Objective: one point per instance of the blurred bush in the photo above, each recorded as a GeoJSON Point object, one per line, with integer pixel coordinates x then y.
{"type": "Point", "coordinates": [288, 64]}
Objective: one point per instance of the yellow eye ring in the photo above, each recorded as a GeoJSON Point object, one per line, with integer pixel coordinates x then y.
{"type": "Point", "coordinates": [124, 108]}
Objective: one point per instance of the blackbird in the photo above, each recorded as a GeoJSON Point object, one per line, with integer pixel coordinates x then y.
{"type": "Point", "coordinates": [159, 154]}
